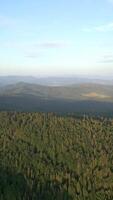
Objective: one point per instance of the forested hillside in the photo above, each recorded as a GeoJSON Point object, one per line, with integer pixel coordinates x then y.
{"type": "Point", "coordinates": [49, 157]}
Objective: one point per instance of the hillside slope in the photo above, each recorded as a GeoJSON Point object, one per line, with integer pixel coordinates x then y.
{"type": "Point", "coordinates": [79, 98]}
{"type": "Point", "coordinates": [73, 92]}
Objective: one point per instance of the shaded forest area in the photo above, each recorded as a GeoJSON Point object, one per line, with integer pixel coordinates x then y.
{"type": "Point", "coordinates": [49, 157]}
{"type": "Point", "coordinates": [59, 106]}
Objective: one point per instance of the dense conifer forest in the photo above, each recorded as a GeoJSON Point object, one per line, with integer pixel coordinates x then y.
{"type": "Point", "coordinates": [49, 157]}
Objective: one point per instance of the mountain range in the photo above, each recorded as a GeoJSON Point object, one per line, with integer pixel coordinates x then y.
{"type": "Point", "coordinates": [56, 81]}
{"type": "Point", "coordinates": [78, 96]}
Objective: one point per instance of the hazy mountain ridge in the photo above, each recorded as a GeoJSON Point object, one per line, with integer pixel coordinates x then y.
{"type": "Point", "coordinates": [92, 99]}
{"type": "Point", "coordinates": [55, 81]}
{"type": "Point", "coordinates": [73, 92]}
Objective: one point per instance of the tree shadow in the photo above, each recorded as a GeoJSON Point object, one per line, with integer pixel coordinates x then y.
{"type": "Point", "coordinates": [52, 190]}
{"type": "Point", "coordinates": [14, 186]}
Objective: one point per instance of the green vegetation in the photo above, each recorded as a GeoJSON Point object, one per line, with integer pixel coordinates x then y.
{"type": "Point", "coordinates": [49, 157]}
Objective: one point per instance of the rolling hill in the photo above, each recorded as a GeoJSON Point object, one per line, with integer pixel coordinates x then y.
{"type": "Point", "coordinates": [77, 98]}
{"type": "Point", "coordinates": [72, 92]}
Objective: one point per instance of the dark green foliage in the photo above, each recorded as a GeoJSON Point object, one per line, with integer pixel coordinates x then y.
{"type": "Point", "coordinates": [46, 157]}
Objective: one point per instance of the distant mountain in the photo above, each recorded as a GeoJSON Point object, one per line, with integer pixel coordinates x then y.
{"type": "Point", "coordinates": [84, 98]}
{"type": "Point", "coordinates": [55, 81]}
{"type": "Point", "coordinates": [7, 80]}
{"type": "Point", "coordinates": [72, 92]}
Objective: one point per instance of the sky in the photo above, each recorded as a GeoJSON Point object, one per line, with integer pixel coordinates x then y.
{"type": "Point", "coordinates": [56, 37]}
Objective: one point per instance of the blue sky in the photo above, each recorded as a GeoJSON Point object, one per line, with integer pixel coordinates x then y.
{"type": "Point", "coordinates": [49, 37]}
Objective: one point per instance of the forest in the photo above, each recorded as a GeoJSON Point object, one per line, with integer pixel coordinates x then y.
{"type": "Point", "coordinates": [51, 157]}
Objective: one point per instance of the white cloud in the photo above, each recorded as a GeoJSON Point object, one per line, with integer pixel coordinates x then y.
{"type": "Point", "coordinates": [106, 59]}
{"type": "Point", "coordinates": [102, 28]}
{"type": "Point", "coordinates": [32, 55]}
{"type": "Point", "coordinates": [37, 45]}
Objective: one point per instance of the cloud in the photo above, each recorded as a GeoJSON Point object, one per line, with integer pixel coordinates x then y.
{"type": "Point", "coordinates": [32, 55]}
{"type": "Point", "coordinates": [14, 45]}
{"type": "Point", "coordinates": [102, 28]}
{"type": "Point", "coordinates": [107, 59]}
{"type": "Point", "coordinates": [36, 45]}
{"type": "Point", "coordinates": [53, 45]}
{"type": "Point", "coordinates": [34, 50]}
